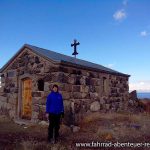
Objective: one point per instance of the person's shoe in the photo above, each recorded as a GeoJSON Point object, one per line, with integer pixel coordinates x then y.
{"type": "Point", "coordinates": [53, 141]}
{"type": "Point", "coordinates": [56, 140]}
{"type": "Point", "coordinates": [49, 140]}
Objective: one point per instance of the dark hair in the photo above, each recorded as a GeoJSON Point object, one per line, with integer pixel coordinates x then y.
{"type": "Point", "coordinates": [55, 85]}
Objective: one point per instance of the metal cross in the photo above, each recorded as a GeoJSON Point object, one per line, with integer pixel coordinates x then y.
{"type": "Point", "coordinates": [75, 47]}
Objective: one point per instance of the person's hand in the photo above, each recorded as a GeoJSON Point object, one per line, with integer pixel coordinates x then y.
{"type": "Point", "coordinates": [61, 117]}
{"type": "Point", "coordinates": [47, 115]}
{"type": "Point", "coordinates": [62, 114]}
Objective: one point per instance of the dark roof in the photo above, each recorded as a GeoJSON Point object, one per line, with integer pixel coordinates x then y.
{"type": "Point", "coordinates": [61, 58]}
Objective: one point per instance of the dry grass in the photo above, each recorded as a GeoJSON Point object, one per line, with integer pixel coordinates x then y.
{"type": "Point", "coordinates": [116, 126]}
{"type": "Point", "coordinates": [116, 117]}
{"type": "Point", "coordinates": [96, 126]}
{"type": "Point", "coordinates": [30, 145]}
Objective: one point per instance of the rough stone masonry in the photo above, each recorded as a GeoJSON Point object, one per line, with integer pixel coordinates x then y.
{"type": "Point", "coordinates": [86, 87]}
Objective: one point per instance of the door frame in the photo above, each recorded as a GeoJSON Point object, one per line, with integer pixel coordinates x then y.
{"type": "Point", "coordinates": [20, 101]}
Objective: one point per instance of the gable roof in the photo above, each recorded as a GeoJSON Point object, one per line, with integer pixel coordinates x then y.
{"type": "Point", "coordinates": [64, 59]}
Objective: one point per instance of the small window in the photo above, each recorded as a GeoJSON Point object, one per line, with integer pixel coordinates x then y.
{"type": "Point", "coordinates": [37, 60]}
{"type": "Point", "coordinates": [41, 85]}
{"type": "Point", "coordinates": [10, 74]}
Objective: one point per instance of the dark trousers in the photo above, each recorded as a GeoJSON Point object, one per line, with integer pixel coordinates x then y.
{"type": "Point", "coordinates": [54, 125]}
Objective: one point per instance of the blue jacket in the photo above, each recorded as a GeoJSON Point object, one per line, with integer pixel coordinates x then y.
{"type": "Point", "coordinates": [54, 103]}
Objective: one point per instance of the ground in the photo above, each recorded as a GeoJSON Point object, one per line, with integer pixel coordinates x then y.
{"type": "Point", "coordinates": [98, 127]}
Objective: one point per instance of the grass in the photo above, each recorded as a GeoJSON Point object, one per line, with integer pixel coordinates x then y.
{"type": "Point", "coordinates": [97, 126]}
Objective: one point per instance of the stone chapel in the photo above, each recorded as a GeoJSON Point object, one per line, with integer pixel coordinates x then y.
{"type": "Point", "coordinates": [86, 87]}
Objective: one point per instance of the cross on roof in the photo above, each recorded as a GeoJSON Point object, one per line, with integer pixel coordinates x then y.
{"type": "Point", "coordinates": [75, 47]}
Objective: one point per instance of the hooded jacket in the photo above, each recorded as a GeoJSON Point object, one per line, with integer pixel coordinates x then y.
{"type": "Point", "coordinates": [54, 103]}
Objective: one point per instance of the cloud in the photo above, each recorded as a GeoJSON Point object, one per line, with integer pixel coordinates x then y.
{"type": "Point", "coordinates": [120, 15]}
{"type": "Point", "coordinates": [140, 86]}
{"type": "Point", "coordinates": [144, 33]}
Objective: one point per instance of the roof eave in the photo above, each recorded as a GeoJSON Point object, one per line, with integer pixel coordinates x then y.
{"type": "Point", "coordinates": [94, 69]}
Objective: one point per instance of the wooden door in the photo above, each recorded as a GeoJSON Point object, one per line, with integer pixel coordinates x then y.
{"type": "Point", "coordinates": [27, 99]}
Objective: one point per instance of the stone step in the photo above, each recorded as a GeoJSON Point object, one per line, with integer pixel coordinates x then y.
{"type": "Point", "coordinates": [22, 122]}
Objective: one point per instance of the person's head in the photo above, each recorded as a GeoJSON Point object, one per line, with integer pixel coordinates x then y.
{"type": "Point", "coordinates": [55, 88]}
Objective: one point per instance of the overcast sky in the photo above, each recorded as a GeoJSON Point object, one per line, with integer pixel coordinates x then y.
{"type": "Point", "coordinates": [113, 33]}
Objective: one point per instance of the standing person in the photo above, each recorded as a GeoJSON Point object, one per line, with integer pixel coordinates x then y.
{"type": "Point", "coordinates": [54, 113]}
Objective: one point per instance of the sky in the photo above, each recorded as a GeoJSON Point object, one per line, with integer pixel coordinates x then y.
{"type": "Point", "coordinates": [113, 33]}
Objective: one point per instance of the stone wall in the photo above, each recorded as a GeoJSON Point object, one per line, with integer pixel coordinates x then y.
{"type": "Point", "coordinates": [83, 91]}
